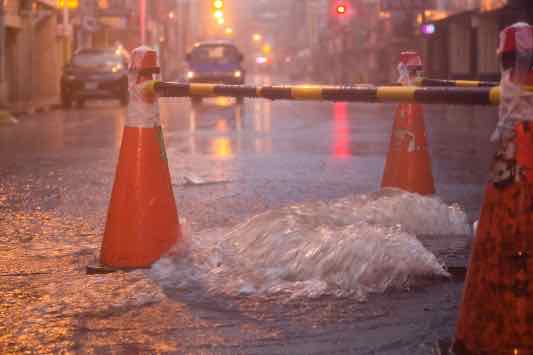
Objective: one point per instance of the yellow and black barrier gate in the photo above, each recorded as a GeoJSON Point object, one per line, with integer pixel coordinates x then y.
{"type": "Point", "coordinates": [423, 95]}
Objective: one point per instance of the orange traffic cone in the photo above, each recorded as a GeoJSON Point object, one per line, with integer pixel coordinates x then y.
{"type": "Point", "coordinates": [408, 166]}
{"type": "Point", "coordinates": [496, 313]}
{"type": "Point", "coordinates": [142, 222]}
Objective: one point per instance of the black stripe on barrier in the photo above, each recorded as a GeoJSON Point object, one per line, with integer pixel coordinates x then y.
{"type": "Point", "coordinates": [165, 89]}
{"type": "Point", "coordinates": [235, 90]}
{"type": "Point", "coordinates": [488, 84]}
{"type": "Point", "coordinates": [276, 92]}
{"type": "Point", "coordinates": [358, 94]}
{"type": "Point", "coordinates": [433, 82]}
{"type": "Point", "coordinates": [457, 83]}
{"type": "Point", "coordinates": [454, 95]}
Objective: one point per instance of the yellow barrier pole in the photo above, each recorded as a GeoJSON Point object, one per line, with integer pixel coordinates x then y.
{"type": "Point", "coordinates": [424, 95]}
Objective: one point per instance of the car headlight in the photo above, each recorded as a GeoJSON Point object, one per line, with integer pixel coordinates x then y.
{"type": "Point", "coordinates": [117, 68]}
{"type": "Point", "coordinates": [237, 74]}
{"type": "Point", "coordinates": [190, 74]}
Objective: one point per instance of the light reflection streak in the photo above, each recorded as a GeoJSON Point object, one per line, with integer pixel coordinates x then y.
{"type": "Point", "coordinates": [35, 137]}
{"type": "Point", "coordinates": [263, 124]}
{"type": "Point", "coordinates": [341, 131]}
{"type": "Point", "coordinates": [192, 130]}
{"type": "Point", "coordinates": [118, 126]}
{"type": "Point", "coordinates": [222, 148]}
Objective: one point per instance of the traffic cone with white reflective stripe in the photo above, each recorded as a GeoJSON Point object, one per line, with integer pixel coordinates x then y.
{"type": "Point", "coordinates": [496, 312]}
{"type": "Point", "coordinates": [142, 221]}
{"type": "Point", "coordinates": [408, 165]}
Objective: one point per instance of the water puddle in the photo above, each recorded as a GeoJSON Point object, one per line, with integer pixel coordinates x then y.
{"type": "Point", "coordinates": [353, 246]}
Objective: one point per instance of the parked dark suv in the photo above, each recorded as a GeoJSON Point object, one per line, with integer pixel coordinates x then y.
{"type": "Point", "coordinates": [95, 73]}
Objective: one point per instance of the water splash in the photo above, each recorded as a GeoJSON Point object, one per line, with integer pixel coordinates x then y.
{"type": "Point", "coordinates": [351, 246]}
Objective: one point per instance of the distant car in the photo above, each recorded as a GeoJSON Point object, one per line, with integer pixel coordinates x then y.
{"type": "Point", "coordinates": [95, 74]}
{"type": "Point", "coordinates": [218, 62]}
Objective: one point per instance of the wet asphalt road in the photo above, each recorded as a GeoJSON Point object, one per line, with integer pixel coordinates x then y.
{"type": "Point", "coordinates": [56, 174]}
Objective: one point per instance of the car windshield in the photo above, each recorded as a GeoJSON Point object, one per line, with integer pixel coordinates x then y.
{"type": "Point", "coordinates": [96, 60]}
{"type": "Point", "coordinates": [215, 54]}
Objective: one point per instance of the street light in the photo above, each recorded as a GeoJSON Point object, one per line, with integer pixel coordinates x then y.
{"type": "Point", "coordinates": [70, 4]}
{"type": "Point", "coordinates": [257, 37]}
{"type": "Point", "coordinates": [340, 9]}
{"type": "Point", "coordinates": [217, 7]}
{"type": "Point", "coordinates": [66, 5]}
{"type": "Point", "coordinates": [267, 48]}
{"type": "Point", "coordinates": [428, 28]}
{"type": "Point", "coordinates": [218, 4]}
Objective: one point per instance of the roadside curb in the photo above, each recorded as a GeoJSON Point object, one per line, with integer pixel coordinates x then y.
{"type": "Point", "coordinates": [33, 107]}
{"type": "Point", "coordinates": [6, 118]}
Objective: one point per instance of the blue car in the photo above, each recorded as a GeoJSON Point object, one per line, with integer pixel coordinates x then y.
{"type": "Point", "coordinates": [217, 62]}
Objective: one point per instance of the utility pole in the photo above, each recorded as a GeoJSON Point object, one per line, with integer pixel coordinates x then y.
{"type": "Point", "coordinates": [82, 32]}
{"type": "Point", "coordinates": [142, 20]}
{"type": "Point", "coordinates": [3, 83]}
{"type": "Point", "coordinates": [65, 14]}
{"type": "Point", "coordinates": [66, 32]}
{"type": "Point", "coordinates": [181, 28]}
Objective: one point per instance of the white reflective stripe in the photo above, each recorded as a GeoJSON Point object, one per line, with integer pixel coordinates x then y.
{"type": "Point", "coordinates": [137, 56]}
{"type": "Point", "coordinates": [141, 113]}
{"type": "Point", "coordinates": [401, 135]}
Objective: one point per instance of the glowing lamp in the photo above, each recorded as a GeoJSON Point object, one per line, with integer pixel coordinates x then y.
{"type": "Point", "coordinates": [340, 9]}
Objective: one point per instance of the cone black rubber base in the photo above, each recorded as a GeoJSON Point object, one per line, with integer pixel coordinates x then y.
{"type": "Point", "coordinates": [458, 272]}
{"type": "Point", "coordinates": [99, 269]}
{"type": "Point", "coordinates": [444, 347]}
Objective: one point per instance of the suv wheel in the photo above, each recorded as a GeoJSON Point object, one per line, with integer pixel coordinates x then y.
{"type": "Point", "coordinates": [124, 99]}
{"type": "Point", "coordinates": [66, 101]}
{"type": "Point", "coordinates": [196, 101]}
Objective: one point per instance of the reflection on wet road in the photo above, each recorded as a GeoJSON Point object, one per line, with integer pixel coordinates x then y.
{"type": "Point", "coordinates": [303, 166]}
{"type": "Point", "coordinates": [341, 132]}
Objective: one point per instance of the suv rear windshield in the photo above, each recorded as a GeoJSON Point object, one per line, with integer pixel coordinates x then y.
{"type": "Point", "coordinates": [221, 54]}
{"type": "Point", "coordinates": [96, 59]}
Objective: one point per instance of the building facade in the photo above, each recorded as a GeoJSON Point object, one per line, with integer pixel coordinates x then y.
{"type": "Point", "coordinates": [38, 37]}
{"type": "Point", "coordinates": [463, 45]}
{"type": "Point", "coordinates": [457, 38]}
{"type": "Point", "coordinates": [32, 47]}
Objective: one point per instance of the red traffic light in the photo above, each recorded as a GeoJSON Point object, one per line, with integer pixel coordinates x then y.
{"type": "Point", "coordinates": [340, 9]}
